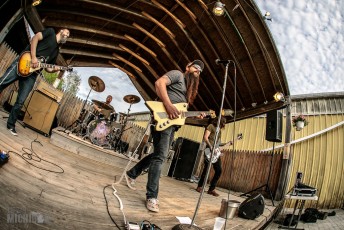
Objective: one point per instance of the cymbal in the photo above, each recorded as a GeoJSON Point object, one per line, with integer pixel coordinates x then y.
{"type": "Point", "coordinates": [96, 84]}
{"type": "Point", "coordinates": [132, 99]}
{"type": "Point", "coordinates": [102, 105]}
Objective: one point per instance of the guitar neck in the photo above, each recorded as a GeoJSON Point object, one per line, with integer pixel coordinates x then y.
{"type": "Point", "coordinates": [45, 65]}
{"type": "Point", "coordinates": [194, 113]}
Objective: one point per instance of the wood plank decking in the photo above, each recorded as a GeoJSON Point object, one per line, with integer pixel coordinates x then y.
{"type": "Point", "coordinates": [74, 199]}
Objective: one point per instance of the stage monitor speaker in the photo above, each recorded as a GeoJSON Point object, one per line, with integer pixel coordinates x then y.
{"type": "Point", "coordinates": [274, 126]}
{"type": "Point", "coordinates": [252, 207]}
{"type": "Point", "coordinates": [41, 112]}
{"type": "Point", "coordinates": [186, 154]}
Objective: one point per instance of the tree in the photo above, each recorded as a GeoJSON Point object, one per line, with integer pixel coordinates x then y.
{"type": "Point", "coordinates": [71, 82]}
{"type": "Point", "coordinates": [50, 78]}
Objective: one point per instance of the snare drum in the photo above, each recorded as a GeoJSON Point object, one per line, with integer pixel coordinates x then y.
{"type": "Point", "coordinates": [98, 131]}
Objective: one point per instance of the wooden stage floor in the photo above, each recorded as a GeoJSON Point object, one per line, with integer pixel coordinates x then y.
{"type": "Point", "coordinates": [71, 194]}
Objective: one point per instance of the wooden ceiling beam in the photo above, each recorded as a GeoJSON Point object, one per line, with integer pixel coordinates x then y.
{"type": "Point", "coordinates": [137, 26]}
{"type": "Point", "coordinates": [133, 54]}
{"type": "Point", "coordinates": [81, 27]}
{"type": "Point", "coordinates": [85, 15]}
{"type": "Point", "coordinates": [178, 22]}
{"type": "Point", "coordinates": [84, 42]}
{"type": "Point", "coordinates": [164, 28]}
{"type": "Point", "coordinates": [113, 7]}
{"type": "Point", "coordinates": [133, 40]}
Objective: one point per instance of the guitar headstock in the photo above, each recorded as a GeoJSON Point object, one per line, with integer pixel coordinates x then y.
{"type": "Point", "coordinates": [212, 113]}
{"type": "Point", "coordinates": [227, 112]}
{"type": "Point", "coordinates": [239, 136]}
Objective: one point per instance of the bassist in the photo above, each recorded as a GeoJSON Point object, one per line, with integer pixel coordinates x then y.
{"type": "Point", "coordinates": [43, 44]}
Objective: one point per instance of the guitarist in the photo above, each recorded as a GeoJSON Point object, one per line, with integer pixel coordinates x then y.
{"type": "Point", "coordinates": [209, 138]}
{"type": "Point", "coordinates": [173, 87]}
{"type": "Point", "coordinates": [43, 44]}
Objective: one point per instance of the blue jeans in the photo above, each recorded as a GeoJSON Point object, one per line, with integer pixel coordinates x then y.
{"type": "Point", "coordinates": [25, 86]}
{"type": "Point", "coordinates": [161, 141]}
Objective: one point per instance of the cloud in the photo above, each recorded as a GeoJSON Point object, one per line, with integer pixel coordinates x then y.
{"type": "Point", "coordinates": [309, 35]}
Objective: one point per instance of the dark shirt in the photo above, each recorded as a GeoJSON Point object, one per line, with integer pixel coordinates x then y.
{"type": "Point", "coordinates": [48, 46]}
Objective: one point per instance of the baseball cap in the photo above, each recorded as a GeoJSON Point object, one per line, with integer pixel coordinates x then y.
{"type": "Point", "coordinates": [198, 64]}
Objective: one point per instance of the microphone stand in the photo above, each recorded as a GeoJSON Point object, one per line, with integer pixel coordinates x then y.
{"type": "Point", "coordinates": [192, 226]}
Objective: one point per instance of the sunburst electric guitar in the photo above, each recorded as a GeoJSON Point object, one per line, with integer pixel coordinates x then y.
{"type": "Point", "coordinates": [163, 121]}
{"type": "Point", "coordinates": [24, 67]}
{"type": "Point", "coordinates": [217, 151]}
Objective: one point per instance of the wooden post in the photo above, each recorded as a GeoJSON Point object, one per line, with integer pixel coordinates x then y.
{"type": "Point", "coordinates": [287, 156]}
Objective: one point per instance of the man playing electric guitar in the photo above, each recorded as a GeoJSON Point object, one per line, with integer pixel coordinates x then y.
{"type": "Point", "coordinates": [209, 138]}
{"type": "Point", "coordinates": [43, 44]}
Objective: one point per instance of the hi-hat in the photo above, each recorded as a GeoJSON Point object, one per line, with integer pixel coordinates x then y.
{"type": "Point", "coordinates": [102, 105]}
{"type": "Point", "coordinates": [131, 99]}
{"type": "Point", "coordinates": [96, 84]}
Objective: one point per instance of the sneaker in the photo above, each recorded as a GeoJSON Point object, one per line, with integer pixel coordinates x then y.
{"type": "Point", "coordinates": [13, 131]}
{"type": "Point", "coordinates": [130, 182]}
{"type": "Point", "coordinates": [212, 192]}
{"type": "Point", "coordinates": [152, 204]}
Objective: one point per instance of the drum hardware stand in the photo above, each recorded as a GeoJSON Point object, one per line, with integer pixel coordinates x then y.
{"type": "Point", "coordinates": [78, 121]}
{"type": "Point", "coordinates": [118, 141]}
{"type": "Point", "coordinates": [131, 158]}
{"type": "Point", "coordinates": [191, 226]}
{"type": "Point", "coordinates": [95, 84]}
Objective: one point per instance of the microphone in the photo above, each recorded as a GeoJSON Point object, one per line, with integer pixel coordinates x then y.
{"type": "Point", "coordinates": [218, 61]}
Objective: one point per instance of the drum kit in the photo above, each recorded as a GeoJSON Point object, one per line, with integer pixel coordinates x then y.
{"type": "Point", "coordinates": [101, 129]}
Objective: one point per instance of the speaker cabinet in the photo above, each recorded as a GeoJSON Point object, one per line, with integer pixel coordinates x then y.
{"type": "Point", "coordinates": [40, 112]}
{"type": "Point", "coordinates": [185, 157]}
{"type": "Point", "coordinates": [252, 207]}
{"type": "Point", "coordinates": [274, 126]}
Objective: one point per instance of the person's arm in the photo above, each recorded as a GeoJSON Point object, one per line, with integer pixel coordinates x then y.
{"type": "Point", "coordinates": [97, 108]}
{"type": "Point", "coordinates": [34, 41]}
{"type": "Point", "coordinates": [206, 138]}
{"type": "Point", "coordinates": [161, 90]}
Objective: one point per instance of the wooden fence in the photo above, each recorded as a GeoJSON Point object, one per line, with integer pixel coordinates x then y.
{"type": "Point", "coordinates": [243, 171]}
{"type": "Point", "coordinates": [7, 56]}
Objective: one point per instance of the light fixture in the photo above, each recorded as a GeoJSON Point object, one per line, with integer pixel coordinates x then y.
{"type": "Point", "coordinates": [279, 97]}
{"type": "Point", "coordinates": [36, 2]}
{"type": "Point", "coordinates": [218, 9]}
{"type": "Point", "coordinates": [267, 16]}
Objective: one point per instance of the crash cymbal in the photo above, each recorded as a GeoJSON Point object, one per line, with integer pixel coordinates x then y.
{"type": "Point", "coordinates": [102, 105]}
{"type": "Point", "coordinates": [96, 84]}
{"type": "Point", "coordinates": [132, 99]}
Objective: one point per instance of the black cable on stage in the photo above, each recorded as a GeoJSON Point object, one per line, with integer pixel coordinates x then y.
{"type": "Point", "coordinates": [107, 207]}
{"type": "Point", "coordinates": [29, 155]}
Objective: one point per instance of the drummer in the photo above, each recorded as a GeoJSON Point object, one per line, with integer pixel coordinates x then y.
{"type": "Point", "coordinates": [107, 110]}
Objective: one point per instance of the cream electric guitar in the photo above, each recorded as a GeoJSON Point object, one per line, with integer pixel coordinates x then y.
{"type": "Point", "coordinates": [163, 121]}
{"type": "Point", "coordinates": [217, 151]}
{"type": "Point", "coordinates": [24, 67]}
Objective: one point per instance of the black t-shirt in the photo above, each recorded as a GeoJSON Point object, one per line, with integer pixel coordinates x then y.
{"type": "Point", "coordinates": [48, 46]}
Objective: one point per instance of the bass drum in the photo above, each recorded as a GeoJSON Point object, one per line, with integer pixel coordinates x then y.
{"type": "Point", "coordinates": [98, 131]}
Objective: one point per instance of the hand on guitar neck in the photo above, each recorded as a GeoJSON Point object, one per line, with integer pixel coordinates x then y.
{"type": "Point", "coordinates": [218, 149]}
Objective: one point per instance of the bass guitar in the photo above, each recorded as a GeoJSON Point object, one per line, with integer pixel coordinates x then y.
{"type": "Point", "coordinates": [163, 121]}
{"type": "Point", "coordinates": [24, 67]}
{"type": "Point", "coordinates": [217, 151]}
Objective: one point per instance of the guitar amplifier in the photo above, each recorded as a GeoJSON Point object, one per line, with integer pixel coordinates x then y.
{"type": "Point", "coordinates": [41, 113]}
{"type": "Point", "coordinates": [48, 90]}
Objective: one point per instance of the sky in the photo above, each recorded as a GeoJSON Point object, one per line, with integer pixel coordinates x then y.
{"type": "Point", "coordinates": [309, 36]}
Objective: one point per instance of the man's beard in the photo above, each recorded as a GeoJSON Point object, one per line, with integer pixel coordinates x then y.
{"type": "Point", "coordinates": [192, 90]}
{"type": "Point", "coordinates": [63, 40]}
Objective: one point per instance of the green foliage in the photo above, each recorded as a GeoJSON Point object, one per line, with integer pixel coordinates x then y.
{"type": "Point", "coordinates": [71, 82]}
